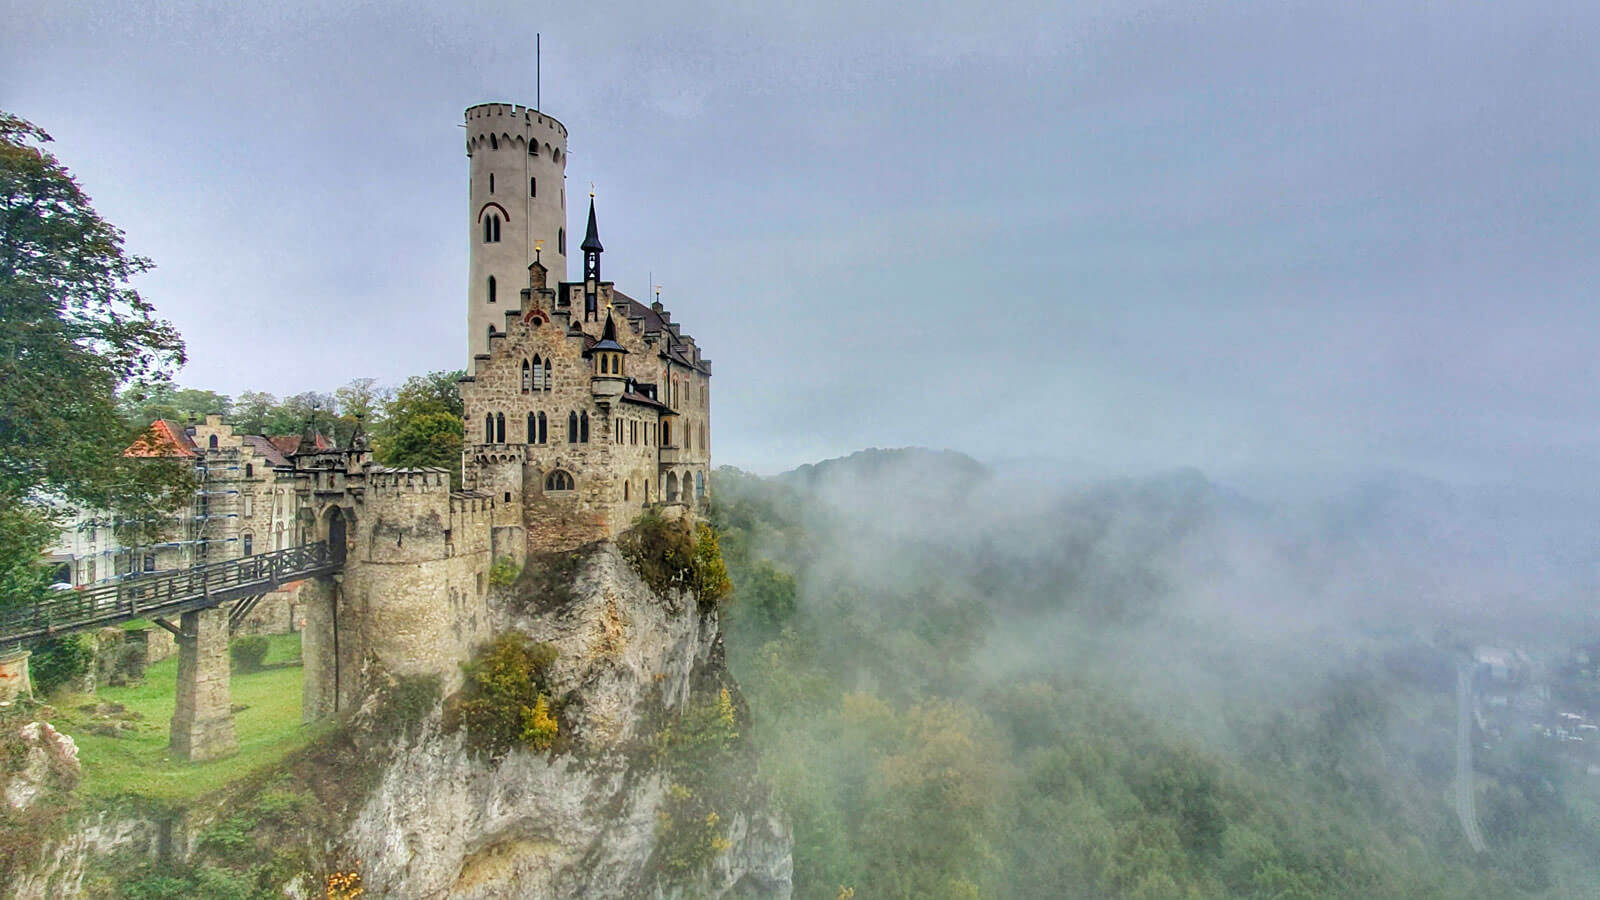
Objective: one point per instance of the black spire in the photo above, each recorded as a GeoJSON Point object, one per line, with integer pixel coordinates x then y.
{"type": "Point", "coordinates": [591, 238]}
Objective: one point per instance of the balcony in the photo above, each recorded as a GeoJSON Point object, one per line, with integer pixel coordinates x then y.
{"type": "Point", "coordinates": [671, 456]}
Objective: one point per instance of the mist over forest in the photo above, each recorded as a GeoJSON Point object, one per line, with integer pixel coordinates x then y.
{"type": "Point", "coordinates": [995, 681]}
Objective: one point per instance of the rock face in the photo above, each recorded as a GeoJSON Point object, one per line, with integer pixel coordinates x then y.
{"type": "Point", "coordinates": [582, 821]}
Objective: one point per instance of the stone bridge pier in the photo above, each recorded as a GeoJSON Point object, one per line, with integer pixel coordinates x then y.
{"type": "Point", "coordinates": [202, 722]}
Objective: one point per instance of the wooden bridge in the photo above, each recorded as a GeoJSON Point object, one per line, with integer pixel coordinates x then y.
{"type": "Point", "coordinates": [202, 720]}
{"type": "Point", "coordinates": [157, 595]}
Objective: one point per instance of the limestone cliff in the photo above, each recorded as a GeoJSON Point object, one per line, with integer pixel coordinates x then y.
{"type": "Point", "coordinates": [400, 793]}
{"type": "Point", "coordinates": [582, 820]}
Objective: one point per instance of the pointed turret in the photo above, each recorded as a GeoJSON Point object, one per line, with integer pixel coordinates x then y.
{"type": "Point", "coordinates": [591, 267]}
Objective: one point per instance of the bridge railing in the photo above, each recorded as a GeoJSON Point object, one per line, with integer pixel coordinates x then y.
{"type": "Point", "coordinates": [155, 593]}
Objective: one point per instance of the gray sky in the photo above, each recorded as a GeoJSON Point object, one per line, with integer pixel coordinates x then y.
{"type": "Point", "coordinates": [1246, 235]}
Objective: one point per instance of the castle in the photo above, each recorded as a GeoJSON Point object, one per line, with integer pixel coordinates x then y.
{"type": "Point", "coordinates": [582, 406]}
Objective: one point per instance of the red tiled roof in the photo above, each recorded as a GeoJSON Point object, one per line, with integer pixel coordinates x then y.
{"type": "Point", "coordinates": [288, 444]}
{"type": "Point", "coordinates": [164, 438]}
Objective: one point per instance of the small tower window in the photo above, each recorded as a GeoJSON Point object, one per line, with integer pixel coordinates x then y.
{"type": "Point", "coordinates": [572, 428]}
{"type": "Point", "coordinates": [533, 187]}
{"type": "Point", "coordinates": [533, 429]}
{"type": "Point", "coordinates": [491, 182]}
{"type": "Point", "coordinates": [626, 485]}
{"type": "Point", "coordinates": [488, 428]}
{"type": "Point", "coordinates": [499, 428]}
{"type": "Point", "coordinates": [561, 241]}
{"type": "Point", "coordinates": [583, 427]}
{"type": "Point", "coordinates": [493, 144]}
{"type": "Point", "coordinates": [491, 289]}
{"type": "Point", "coordinates": [544, 428]}
{"type": "Point", "coordinates": [496, 221]}
{"type": "Point", "coordinates": [533, 149]}
{"type": "Point", "coordinates": [558, 481]}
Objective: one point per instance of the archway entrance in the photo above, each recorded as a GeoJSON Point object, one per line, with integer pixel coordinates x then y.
{"type": "Point", "coordinates": [337, 542]}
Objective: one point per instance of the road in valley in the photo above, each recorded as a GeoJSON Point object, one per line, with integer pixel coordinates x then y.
{"type": "Point", "coordinates": [1466, 800]}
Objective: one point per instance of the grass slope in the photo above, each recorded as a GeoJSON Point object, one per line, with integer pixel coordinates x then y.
{"type": "Point", "coordinates": [137, 761]}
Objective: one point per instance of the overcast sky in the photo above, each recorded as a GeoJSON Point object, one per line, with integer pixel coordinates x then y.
{"type": "Point", "coordinates": [1311, 236]}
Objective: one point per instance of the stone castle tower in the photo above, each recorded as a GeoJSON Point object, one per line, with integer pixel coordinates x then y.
{"type": "Point", "coordinates": [517, 201]}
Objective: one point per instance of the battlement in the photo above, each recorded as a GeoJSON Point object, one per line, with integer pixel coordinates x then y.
{"type": "Point", "coordinates": [383, 480]}
{"type": "Point", "coordinates": [512, 112]}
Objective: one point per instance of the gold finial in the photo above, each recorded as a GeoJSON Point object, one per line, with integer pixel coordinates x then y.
{"type": "Point", "coordinates": [591, 190]}
{"type": "Point", "coordinates": [658, 292]}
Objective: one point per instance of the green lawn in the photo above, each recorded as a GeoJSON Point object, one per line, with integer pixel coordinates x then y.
{"type": "Point", "coordinates": [137, 761]}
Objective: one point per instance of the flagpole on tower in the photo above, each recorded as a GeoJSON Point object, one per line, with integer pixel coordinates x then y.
{"type": "Point", "coordinates": [538, 102]}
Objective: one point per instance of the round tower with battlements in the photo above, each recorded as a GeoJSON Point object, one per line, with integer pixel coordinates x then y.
{"type": "Point", "coordinates": [517, 160]}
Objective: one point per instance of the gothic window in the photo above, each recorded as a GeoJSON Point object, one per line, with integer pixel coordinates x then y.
{"type": "Point", "coordinates": [558, 481]}
{"type": "Point", "coordinates": [491, 289]}
{"type": "Point", "coordinates": [496, 221]}
{"type": "Point", "coordinates": [533, 377]}
{"type": "Point", "coordinates": [499, 428]}
{"type": "Point", "coordinates": [533, 148]}
{"type": "Point", "coordinates": [533, 187]}
{"type": "Point", "coordinates": [533, 430]}
{"type": "Point", "coordinates": [561, 241]}
{"type": "Point", "coordinates": [583, 427]}
{"type": "Point", "coordinates": [699, 486]}
{"type": "Point", "coordinates": [544, 429]}
{"type": "Point", "coordinates": [493, 144]}
{"type": "Point", "coordinates": [488, 428]}
{"type": "Point", "coordinates": [672, 487]}
{"type": "Point", "coordinates": [249, 544]}
{"type": "Point", "coordinates": [572, 428]}
{"type": "Point", "coordinates": [212, 443]}
{"type": "Point", "coordinates": [548, 383]}
{"type": "Point", "coordinates": [527, 378]}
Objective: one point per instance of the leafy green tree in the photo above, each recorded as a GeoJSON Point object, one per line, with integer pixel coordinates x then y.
{"type": "Point", "coordinates": [73, 334]}
{"type": "Point", "coordinates": [167, 401]}
{"type": "Point", "coordinates": [421, 424]}
{"type": "Point", "coordinates": [359, 402]}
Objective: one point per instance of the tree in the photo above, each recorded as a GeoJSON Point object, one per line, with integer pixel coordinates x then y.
{"type": "Point", "coordinates": [361, 401]}
{"type": "Point", "coordinates": [73, 333]}
{"type": "Point", "coordinates": [166, 401]}
{"type": "Point", "coordinates": [421, 424]}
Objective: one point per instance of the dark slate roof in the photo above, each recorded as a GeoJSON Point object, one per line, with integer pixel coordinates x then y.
{"type": "Point", "coordinates": [608, 338]}
{"type": "Point", "coordinates": [653, 322]}
{"type": "Point", "coordinates": [642, 400]}
{"type": "Point", "coordinates": [265, 449]}
{"type": "Point", "coordinates": [591, 239]}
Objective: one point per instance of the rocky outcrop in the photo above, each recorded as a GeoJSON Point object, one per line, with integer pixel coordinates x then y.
{"type": "Point", "coordinates": [583, 819]}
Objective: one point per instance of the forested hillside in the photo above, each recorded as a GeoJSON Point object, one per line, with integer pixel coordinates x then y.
{"type": "Point", "coordinates": [969, 687]}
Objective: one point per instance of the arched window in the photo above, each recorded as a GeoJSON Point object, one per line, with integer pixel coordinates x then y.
{"type": "Point", "coordinates": [572, 428]}
{"type": "Point", "coordinates": [488, 428]}
{"type": "Point", "coordinates": [549, 151]}
{"type": "Point", "coordinates": [561, 241]}
{"type": "Point", "coordinates": [499, 428]}
{"type": "Point", "coordinates": [533, 430]}
{"type": "Point", "coordinates": [496, 221]}
{"type": "Point", "coordinates": [558, 481]}
{"type": "Point", "coordinates": [699, 486]}
{"type": "Point", "coordinates": [583, 427]}
{"type": "Point", "coordinates": [666, 434]}
{"type": "Point", "coordinates": [538, 374]}
{"type": "Point", "coordinates": [488, 231]}
{"type": "Point", "coordinates": [493, 144]}
{"type": "Point", "coordinates": [672, 487]}
{"type": "Point", "coordinates": [544, 428]}
{"type": "Point", "coordinates": [491, 289]}
{"type": "Point", "coordinates": [533, 148]}
{"type": "Point", "coordinates": [249, 470]}
{"type": "Point", "coordinates": [527, 378]}
{"type": "Point", "coordinates": [249, 544]}
{"type": "Point", "coordinates": [548, 383]}
{"type": "Point", "coordinates": [533, 187]}
{"type": "Point", "coordinates": [555, 155]}
{"type": "Point", "coordinates": [212, 443]}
